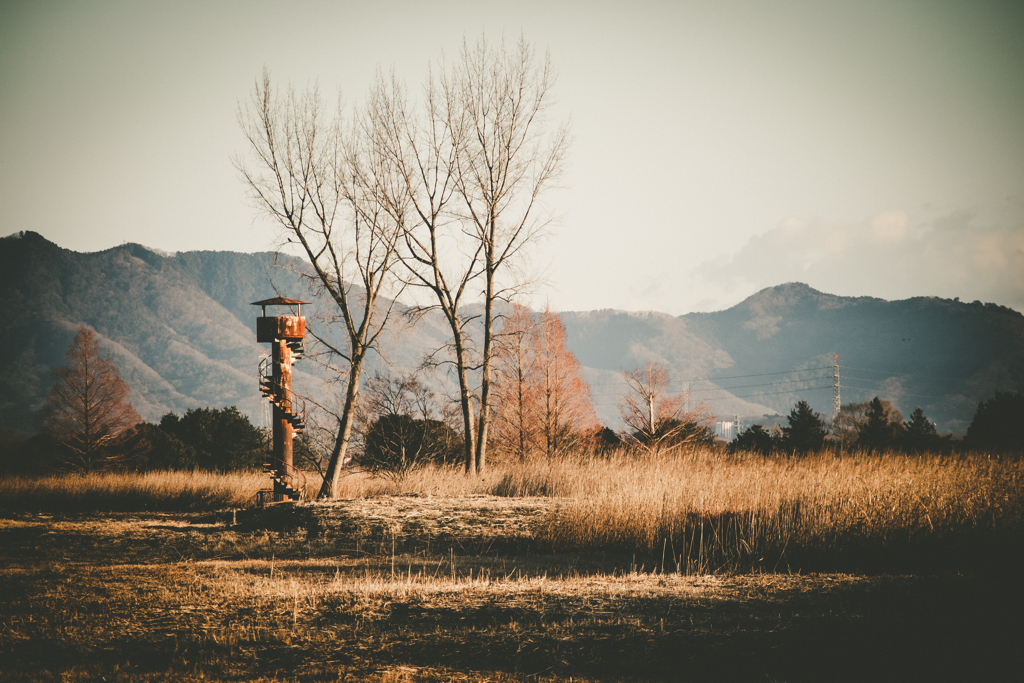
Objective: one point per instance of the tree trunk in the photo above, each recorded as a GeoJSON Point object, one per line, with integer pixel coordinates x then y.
{"type": "Point", "coordinates": [465, 394]}
{"type": "Point", "coordinates": [485, 379]}
{"type": "Point", "coordinates": [467, 418]}
{"type": "Point", "coordinates": [329, 489]}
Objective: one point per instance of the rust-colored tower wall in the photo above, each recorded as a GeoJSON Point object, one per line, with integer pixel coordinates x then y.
{"type": "Point", "coordinates": [269, 329]}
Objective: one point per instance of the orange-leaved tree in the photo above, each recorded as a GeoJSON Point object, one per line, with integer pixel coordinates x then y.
{"type": "Point", "coordinates": [87, 411]}
{"type": "Point", "coordinates": [566, 410]}
{"type": "Point", "coordinates": [542, 404]}
{"type": "Point", "coordinates": [515, 400]}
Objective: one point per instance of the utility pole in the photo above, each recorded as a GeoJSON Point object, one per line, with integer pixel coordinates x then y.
{"type": "Point", "coordinates": [650, 402]}
{"type": "Point", "coordinates": [835, 388]}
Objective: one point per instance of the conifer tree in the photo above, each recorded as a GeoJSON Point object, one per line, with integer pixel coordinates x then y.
{"type": "Point", "coordinates": [565, 408]}
{"type": "Point", "coordinates": [883, 428]}
{"type": "Point", "coordinates": [996, 426]}
{"type": "Point", "coordinates": [515, 386]}
{"type": "Point", "coordinates": [919, 433]}
{"type": "Point", "coordinates": [806, 431]}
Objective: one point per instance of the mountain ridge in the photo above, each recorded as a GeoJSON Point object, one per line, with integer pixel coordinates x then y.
{"type": "Point", "coordinates": [181, 328]}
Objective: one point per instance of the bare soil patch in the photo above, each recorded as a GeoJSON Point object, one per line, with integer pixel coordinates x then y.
{"type": "Point", "coordinates": [428, 588]}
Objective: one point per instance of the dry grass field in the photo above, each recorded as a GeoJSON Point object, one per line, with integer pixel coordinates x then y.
{"type": "Point", "coordinates": [631, 568]}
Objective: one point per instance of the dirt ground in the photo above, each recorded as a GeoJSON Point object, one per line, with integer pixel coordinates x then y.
{"type": "Point", "coordinates": [437, 589]}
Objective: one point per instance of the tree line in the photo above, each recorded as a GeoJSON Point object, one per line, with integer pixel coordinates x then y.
{"type": "Point", "coordinates": [542, 409]}
{"type": "Point", "coordinates": [877, 426]}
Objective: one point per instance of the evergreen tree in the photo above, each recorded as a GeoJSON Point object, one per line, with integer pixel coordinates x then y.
{"type": "Point", "coordinates": [881, 431]}
{"type": "Point", "coordinates": [806, 431]}
{"type": "Point", "coordinates": [853, 418]}
{"type": "Point", "coordinates": [396, 444]}
{"type": "Point", "coordinates": [604, 440]}
{"type": "Point", "coordinates": [211, 439]}
{"type": "Point", "coordinates": [919, 434]}
{"type": "Point", "coordinates": [165, 451]}
{"type": "Point", "coordinates": [997, 424]}
{"type": "Point", "coordinates": [755, 439]}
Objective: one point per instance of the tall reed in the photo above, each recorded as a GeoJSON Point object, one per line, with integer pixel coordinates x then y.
{"type": "Point", "coordinates": [693, 511]}
{"type": "Point", "coordinates": [130, 492]}
{"type": "Point", "coordinates": [703, 511]}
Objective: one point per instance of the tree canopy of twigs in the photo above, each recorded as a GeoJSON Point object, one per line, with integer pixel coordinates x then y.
{"type": "Point", "coordinates": [87, 411]}
{"type": "Point", "coordinates": [449, 186]}
{"type": "Point", "coordinates": [474, 158]}
{"type": "Point", "coordinates": [657, 416]}
{"type": "Point", "coordinates": [320, 179]}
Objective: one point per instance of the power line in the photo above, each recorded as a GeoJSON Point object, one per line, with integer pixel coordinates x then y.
{"type": "Point", "coordinates": [767, 393]}
{"type": "Point", "coordinates": [767, 384]}
{"type": "Point", "coordinates": [729, 398]}
{"type": "Point", "coordinates": [715, 379]}
{"type": "Point", "coordinates": [864, 379]}
{"type": "Point", "coordinates": [898, 393]}
{"type": "Point", "coordinates": [738, 386]}
{"type": "Point", "coordinates": [762, 374]}
{"type": "Point", "coordinates": [894, 373]}
{"type": "Point", "coordinates": [708, 395]}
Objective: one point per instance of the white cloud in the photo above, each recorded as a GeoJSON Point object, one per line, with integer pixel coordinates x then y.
{"type": "Point", "coordinates": [887, 256]}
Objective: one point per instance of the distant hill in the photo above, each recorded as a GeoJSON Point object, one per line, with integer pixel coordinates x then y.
{"type": "Point", "coordinates": [182, 332]}
{"type": "Point", "coordinates": [178, 326]}
{"type": "Point", "coordinates": [777, 347]}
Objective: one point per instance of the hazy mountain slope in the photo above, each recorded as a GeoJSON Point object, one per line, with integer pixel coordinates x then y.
{"type": "Point", "coordinates": [608, 341]}
{"type": "Point", "coordinates": [181, 327]}
{"type": "Point", "coordinates": [175, 345]}
{"type": "Point", "coordinates": [183, 334]}
{"type": "Point", "coordinates": [939, 354]}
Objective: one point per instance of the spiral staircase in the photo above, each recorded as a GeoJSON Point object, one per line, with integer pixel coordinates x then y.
{"type": "Point", "coordinates": [285, 334]}
{"type": "Point", "coordinates": [292, 407]}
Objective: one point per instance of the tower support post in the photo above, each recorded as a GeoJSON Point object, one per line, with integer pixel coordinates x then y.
{"type": "Point", "coordinates": [283, 430]}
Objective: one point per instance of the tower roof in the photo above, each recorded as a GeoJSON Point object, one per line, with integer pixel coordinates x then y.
{"type": "Point", "coordinates": [278, 301]}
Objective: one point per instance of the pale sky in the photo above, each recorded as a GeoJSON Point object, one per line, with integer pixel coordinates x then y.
{"type": "Point", "coordinates": [866, 148]}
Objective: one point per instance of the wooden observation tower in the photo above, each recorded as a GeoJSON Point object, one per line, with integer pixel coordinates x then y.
{"type": "Point", "coordinates": [285, 334]}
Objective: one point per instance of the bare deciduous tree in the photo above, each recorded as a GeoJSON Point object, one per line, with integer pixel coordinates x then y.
{"type": "Point", "coordinates": [437, 255]}
{"type": "Point", "coordinates": [401, 429]}
{"type": "Point", "coordinates": [87, 411]}
{"type": "Point", "coordinates": [475, 162]}
{"type": "Point", "coordinates": [656, 415]}
{"type": "Point", "coordinates": [506, 159]}
{"type": "Point", "coordinates": [323, 186]}
{"type": "Point", "coordinates": [402, 394]}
